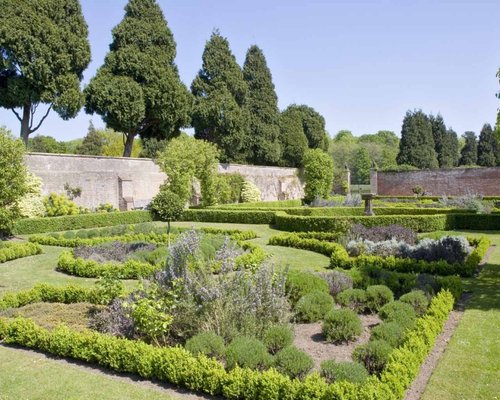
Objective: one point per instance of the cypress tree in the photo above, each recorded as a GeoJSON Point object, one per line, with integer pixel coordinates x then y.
{"type": "Point", "coordinates": [219, 91]}
{"type": "Point", "coordinates": [137, 90]}
{"type": "Point", "coordinates": [417, 144]}
{"type": "Point", "coordinates": [362, 166]}
{"type": "Point", "coordinates": [487, 149]}
{"type": "Point", "coordinates": [439, 136]}
{"type": "Point", "coordinates": [313, 124]}
{"type": "Point", "coordinates": [468, 154]}
{"type": "Point", "coordinates": [93, 142]}
{"type": "Point", "coordinates": [262, 110]}
{"type": "Point", "coordinates": [293, 140]}
{"type": "Point", "coordinates": [449, 150]}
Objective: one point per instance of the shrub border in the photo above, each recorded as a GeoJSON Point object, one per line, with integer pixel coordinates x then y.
{"type": "Point", "coordinates": [13, 251]}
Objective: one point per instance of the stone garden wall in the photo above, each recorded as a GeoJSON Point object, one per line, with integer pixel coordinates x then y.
{"type": "Point", "coordinates": [132, 182]}
{"type": "Point", "coordinates": [456, 181]}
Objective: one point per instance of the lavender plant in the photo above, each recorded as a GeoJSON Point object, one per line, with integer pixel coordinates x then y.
{"type": "Point", "coordinates": [381, 233]}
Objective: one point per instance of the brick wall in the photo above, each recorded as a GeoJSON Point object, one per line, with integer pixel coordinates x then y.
{"type": "Point", "coordinates": [457, 181]}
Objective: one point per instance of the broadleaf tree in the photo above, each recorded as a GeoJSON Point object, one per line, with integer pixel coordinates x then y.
{"type": "Point", "coordinates": [137, 91]}
{"type": "Point", "coordinates": [44, 50]}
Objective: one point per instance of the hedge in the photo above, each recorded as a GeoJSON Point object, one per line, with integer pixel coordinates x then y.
{"type": "Point", "coordinates": [82, 221]}
{"type": "Point", "coordinates": [261, 204]}
{"type": "Point", "coordinates": [478, 222]}
{"type": "Point", "coordinates": [339, 258]}
{"type": "Point", "coordinates": [229, 216]}
{"type": "Point", "coordinates": [12, 251]}
{"type": "Point", "coordinates": [179, 367]}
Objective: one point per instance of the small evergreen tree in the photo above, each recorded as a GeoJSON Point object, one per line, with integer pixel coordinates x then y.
{"type": "Point", "coordinates": [293, 140]}
{"type": "Point", "coordinates": [93, 142]}
{"type": "Point", "coordinates": [362, 166]}
{"type": "Point", "coordinates": [487, 149]}
{"type": "Point", "coordinates": [261, 106]}
{"type": "Point", "coordinates": [450, 150]}
{"type": "Point", "coordinates": [318, 174]}
{"type": "Point", "coordinates": [417, 144]}
{"type": "Point", "coordinates": [440, 139]}
{"type": "Point", "coordinates": [313, 124]}
{"type": "Point", "coordinates": [137, 90]}
{"type": "Point", "coordinates": [468, 154]}
{"type": "Point", "coordinates": [219, 91]}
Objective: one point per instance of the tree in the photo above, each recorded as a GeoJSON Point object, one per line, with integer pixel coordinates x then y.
{"type": "Point", "coordinates": [318, 174]}
{"type": "Point", "coordinates": [13, 177]}
{"type": "Point", "coordinates": [468, 154]}
{"type": "Point", "coordinates": [439, 136]}
{"type": "Point", "coordinates": [261, 106]}
{"type": "Point", "coordinates": [137, 90]}
{"type": "Point", "coordinates": [313, 124]}
{"type": "Point", "coordinates": [92, 142]}
{"type": "Point", "coordinates": [46, 144]}
{"type": "Point", "coordinates": [487, 149]}
{"type": "Point", "coordinates": [113, 144]}
{"type": "Point", "coordinates": [168, 206]}
{"type": "Point", "coordinates": [219, 91]}
{"type": "Point", "coordinates": [450, 151]}
{"type": "Point", "coordinates": [44, 50]}
{"type": "Point", "coordinates": [362, 166]}
{"type": "Point", "coordinates": [292, 138]}
{"type": "Point", "coordinates": [417, 144]}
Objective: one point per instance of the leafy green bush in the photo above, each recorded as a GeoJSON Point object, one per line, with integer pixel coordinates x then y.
{"type": "Point", "coordinates": [313, 306]}
{"type": "Point", "coordinates": [391, 332]}
{"type": "Point", "coordinates": [31, 204]}
{"type": "Point", "coordinates": [377, 296]}
{"type": "Point", "coordinates": [417, 299]}
{"type": "Point", "coordinates": [247, 352]}
{"type": "Point", "coordinates": [293, 362]}
{"type": "Point", "coordinates": [298, 284]}
{"type": "Point", "coordinates": [334, 371]}
{"type": "Point", "coordinates": [318, 174]}
{"type": "Point", "coordinates": [207, 343]}
{"type": "Point", "coordinates": [167, 205]}
{"type": "Point", "coordinates": [277, 337]}
{"type": "Point", "coordinates": [228, 188]}
{"type": "Point", "coordinates": [249, 192]}
{"type": "Point", "coordinates": [341, 325]}
{"type": "Point", "coordinates": [399, 312]}
{"type": "Point", "coordinates": [12, 251]}
{"type": "Point", "coordinates": [355, 299]}
{"type": "Point", "coordinates": [373, 355]}
{"type": "Point", "coordinates": [57, 205]}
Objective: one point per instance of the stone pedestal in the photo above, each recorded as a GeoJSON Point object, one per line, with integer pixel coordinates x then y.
{"type": "Point", "coordinates": [368, 198]}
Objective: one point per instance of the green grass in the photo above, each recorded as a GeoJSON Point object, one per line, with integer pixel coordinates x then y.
{"type": "Point", "coordinates": [470, 366]}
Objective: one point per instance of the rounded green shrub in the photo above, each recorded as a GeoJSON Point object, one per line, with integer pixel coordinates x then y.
{"type": "Point", "coordinates": [207, 343]}
{"type": "Point", "coordinates": [353, 372]}
{"type": "Point", "coordinates": [373, 355]}
{"type": "Point", "coordinates": [277, 337]}
{"type": "Point", "coordinates": [293, 362]}
{"type": "Point", "coordinates": [417, 299]}
{"type": "Point", "coordinates": [168, 205]}
{"type": "Point", "coordinates": [342, 325]}
{"type": "Point", "coordinates": [392, 332]}
{"type": "Point", "coordinates": [399, 312]}
{"type": "Point", "coordinates": [355, 299]}
{"type": "Point", "coordinates": [247, 352]}
{"type": "Point", "coordinates": [299, 284]}
{"type": "Point", "coordinates": [313, 306]}
{"type": "Point", "coordinates": [377, 296]}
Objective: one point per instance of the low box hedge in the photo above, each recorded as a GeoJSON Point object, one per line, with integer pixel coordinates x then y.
{"type": "Point", "coordinates": [179, 367]}
{"type": "Point", "coordinates": [12, 251]}
{"type": "Point", "coordinates": [229, 216]}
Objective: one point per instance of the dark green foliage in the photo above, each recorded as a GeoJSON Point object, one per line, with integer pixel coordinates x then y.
{"type": "Point", "coordinates": [44, 50]}
{"type": "Point", "coordinates": [361, 167]}
{"type": "Point", "coordinates": [439, 136]}
{"type": "Point", "coordinates": [13, 180]}
{"type": "Point", "coordinates": [313, 125]}
{"type": "Point", "coordinates": [207, 343]}
{"type": "Point", "coordinates": [261, 107]}
{"type": "Point", "coordinates": [277, 337]}
{"type": "Point", "coordinates": [247, 352]}
{"type": "Point", "coordinates": [219, 91]}
{"type": "Point", "coordinates": [450, 152]}
{"type": "Point", "coordinates": [137, 90]}
{"type": "Point", "coordinates": [152, 146]}
{"type": "Point", "coordinates": [230, 216]}
{"type": "Point", "coordinates": [46, 144]}
{"type": "Point", "coordinates": [341, 325]}
{"type": "Point", "coordinates": [377, 296]}
{"type": "Point", "coordinates": [488, 147]}
{"type": "Point", "coordinates": [417, 299]}
{"type": "Point", "coordinates": [334, 371]}
{"type": "Point", "coordinates": [417, 144]}
{"type": "Point", "coordinates": [93, 142]}
{"type": "Point", "coordinates": [355, 299]}
{"type": "Point", "coordinates": [293, 362]}
{"type": "Point", "coordinates": [293, 139]}
{"type": "Point", "coordinates": [167, 205]}
{"type": "Point", "coordinates": [299, 284]}
{"type": "Point", "coordinates": [313, 306]}
{"type": "Point", "coordinates": [399, 312]}
{"type": "Point", "coordinates": [373, 355]}
{"type": "Point", "coordinates": [391, 332]}
{"type": "Point", "coordinates": [318, 174]}
{"type": "Point", "coordinates": [468, 154]}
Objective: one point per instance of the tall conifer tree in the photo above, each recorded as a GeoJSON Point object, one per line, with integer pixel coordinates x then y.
{"type": "Point", "coordinates": [219, 91]}
{"type": "Point", "coordinates": [417, 144]}
{"type": "Point", "coordinates": [292, 138]}
{"type": "Point", "coordinates": [261, 107]}
{"type": "Point", "coordinates": [440, 139]}
{"type": "Point", "coordinates": [138, 90]}
{"type": "Point", "coordinates": [487, 149]}
{"type": "Point", "coordinates": [468, 154]}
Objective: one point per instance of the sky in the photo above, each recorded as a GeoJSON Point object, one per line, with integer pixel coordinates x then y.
{"type": "Point", "coordinates": [361, 64]}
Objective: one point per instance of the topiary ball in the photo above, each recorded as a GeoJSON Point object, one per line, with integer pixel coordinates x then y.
{"type": "Point", "coordinates": [207, 343]}
{"type": "Point", "coordinates": [377, 296]}
{"type": "Point", "coordinates": [313, 306]}
{"type": "Point", "coordinates": [341, 325]}
{"type": "Point", "coordinates": [247, 352]}
{"type": "Point", "coordinates": [293, 362]}
{"type": "Point", "coordinates": [277, 337]}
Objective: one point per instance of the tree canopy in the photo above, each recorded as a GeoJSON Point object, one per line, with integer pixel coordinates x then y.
{"type": "Point", "coordinates": [137, 91]}
{"type": "Point", "coordinates": [488, 148]}
{"type": "Point", "coordinates": [44, 50]}
{"type": "Point", "coordinates": [468, 154]}
{"type": "Point", "coordinates": [292, 138]}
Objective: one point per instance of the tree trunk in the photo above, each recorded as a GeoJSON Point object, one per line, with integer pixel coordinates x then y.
{"type": "Point", "coordinates": [129, 142]}
{"type": "Point", "coordinates": [25, 123]}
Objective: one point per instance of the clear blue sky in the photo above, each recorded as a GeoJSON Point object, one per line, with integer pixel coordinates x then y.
{"type": "Point", "coordinates": [360, 64]}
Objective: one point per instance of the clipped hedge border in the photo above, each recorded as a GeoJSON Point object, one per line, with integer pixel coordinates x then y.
{"type": "Point", "coordinates": [12, 251]}
{"type": "Point", "coordinates": [339, 258]}
{"type": "Point", "coordinates": [229, 216]}
{"type": "Point", "coordinates": [179, 367]}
